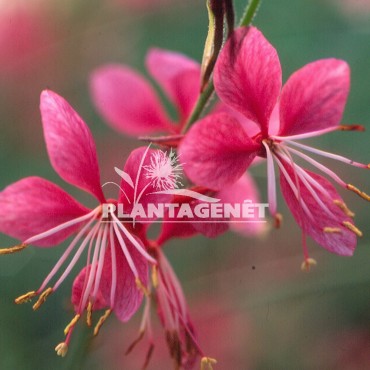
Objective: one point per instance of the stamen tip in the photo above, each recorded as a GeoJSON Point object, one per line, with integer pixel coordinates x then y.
{"type": "Point", "coordinates": [307, 264]}
{"type": "Point", "coordinates": [141, 287]}
{"type": "Point", "coordinates": [353, 228]}
{"type": "Point", "coordinates": [61, 349]}
{"type": "Point", "coordinates": [25, 297]}
{"type": "Point", "coordinates": [278, 218]}
{"type": "Point", "coordinates": [15, 249]}
{"type": "Point", "coordinates": [42, 298]}
{"type": "Point", "coordinates": [207, 362]}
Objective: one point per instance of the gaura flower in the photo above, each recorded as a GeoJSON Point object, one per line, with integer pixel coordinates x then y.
{"type": "Point", "coordinates": [40, 213]}
{"type": "Point", "coordinates": [219, 148]}
{"type": "Point", "coordinates": [129, 103]}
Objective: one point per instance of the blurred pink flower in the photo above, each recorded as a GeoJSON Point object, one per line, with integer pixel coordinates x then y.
{"type": "Point", "coordinates": [219, 148]}
{"type": "Point", "coordinates": [129, 103]}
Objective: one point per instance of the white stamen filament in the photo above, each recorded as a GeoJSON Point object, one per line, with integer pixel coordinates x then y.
{"type": "Point", "coordinates": [135, 243]}
{"type": "Point", "coordinates": [327, 154]}
{"type": "Point", "coordinates": [321, 167]}
{"type": "Point", "coordinates": [65, 255]}
{"type": "Point", "coordinates": [114, 267]}
{"type": "Point", "coordinates": [305, 135]}
{"type": "Point", "coordinates": [90, 236]}
{"type": "Point", "coordinates": [63, 226]}
{"type": "Point", "coordinates": [271, 181]}
{"type": "Point", "coordinates": [294, 188]}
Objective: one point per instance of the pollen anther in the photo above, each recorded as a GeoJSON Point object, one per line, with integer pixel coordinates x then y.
{"type": "Point", "coordinates": [15, 249]}
{"type": "Point", "coordinates": [101, 321]}
{"type": "Point", "coordinates": [25, 297]}
{"type": "Point", "coordinates": [332, 230]}
{"type": "Point", "coordinates": [360, 193]}
{"type": "Point", "coordinates": [141, 287]}
{"type": "Point", "coordinates": [344, 208]}
{"type": "Point", "coordinates": [352, 228]}
{"type": "Point", "coordinates": [155, 276]}
{"type": "Point", "coordinates": [71, 324]}
{"type": "Point", "coordinates": [42, 298]}
{"type": "Point", "coordinates": [278, 220]}
{"type": "Point", "coordinates": [206, 363]}
{"type": "Point", "coordinates": [89, 314]}
{"type": "Point", "coordinates": [61, 349]}
{"type": "Point", "coordinates": [307, 264]}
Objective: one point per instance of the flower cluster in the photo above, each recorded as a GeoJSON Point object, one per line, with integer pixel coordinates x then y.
{"type": "Point", "coordinates": [256, 119]}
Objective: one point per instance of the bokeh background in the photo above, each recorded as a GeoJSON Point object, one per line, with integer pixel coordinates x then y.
{"type": "Point", "coordinates": [253, 307]}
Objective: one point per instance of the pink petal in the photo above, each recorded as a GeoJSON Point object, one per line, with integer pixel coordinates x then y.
{"type": "Point", "coordinates": [248, 75]}
{"type": "Point", "coordinates": [343, 242]}
{"type": "Point", "coordinates": [128, 297]}
{"type": "Point", "coordinates": [314, 97]}
{"type": "Point", "coordinates": [70, 145]}
{"type": "Point", "coordinates": [34, 205]}
{"type": "Point", "coordinates": [77, 291]}
{"type": "Point", "coordinates": [244, 189]}
{"type": "Point", "coordinates": [178, 75]}
{"type": "Point", "coordinates": [126, 101]}
{"type": "Point", "coordinates": [216, 151]}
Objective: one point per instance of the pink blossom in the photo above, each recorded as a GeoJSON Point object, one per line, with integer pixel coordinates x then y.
{"type": "Point", "coordinates": [129, 103]}
{"type": "Point", "coordinates": [40, 213]}
{"type": "Point", "coordinates": [219, 148]}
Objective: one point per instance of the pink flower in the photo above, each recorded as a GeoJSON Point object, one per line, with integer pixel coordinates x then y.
{"type": "Point", "coordinates": [129, 103]}
{"type": "Point", "coordinates": [219, 148]}
{"type": "Point", "coordinates": [40, 213]}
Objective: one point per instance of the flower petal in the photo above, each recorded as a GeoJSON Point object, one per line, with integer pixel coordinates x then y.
{"type": "Point", "coordinates": [34, 205]}
{"type": "Point", "coordinates": [127, 101]}
{"type": "Point", "coordinates": [248, 75]}
{"type": "Point", "coordinates": [245, 189]}
{"type": "Point", "coordinates": [178, 75]}
{"type": "Point", "coordinates": [314, 97]}
{"type": "Point", "coordinates": [70, 145]}
{"type": "Point", "coordinates": [343, 241]}
{"type": "Point", "coordinates": [216, 151]}
{"type": "Point", "coordinates": [128, 297]}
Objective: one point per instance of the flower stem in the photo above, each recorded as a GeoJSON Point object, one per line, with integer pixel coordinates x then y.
{"type": "Point", "coordinates": [249, 13]}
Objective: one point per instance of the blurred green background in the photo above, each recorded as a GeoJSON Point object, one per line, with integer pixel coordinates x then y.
{"type": "Point", "coordinates": [252, 305]}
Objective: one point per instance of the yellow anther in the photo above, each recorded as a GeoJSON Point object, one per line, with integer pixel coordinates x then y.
{"type": "Point", "coordinates": [344, 208]}
{"type": "Point", "coordinates": [332, 230]}
{"type": "Point", "coordinates": [61, 349]}
{"type": "Point", "coordinates": [101, 321]}
{"type": "Point", "coordinates": [42, 298]}
{"type": "Point", "coordinates": [155, 276]}
{"type": "Point", "coordinates": [352, 228]}
{"type": "Point", "coordinates": [89, 314]}
{"type": "Point", "coordinates": [307, 264]}
{"type": "Point", "coordinates": [71, 324]}
{"type": "Point", "coordinates": [141, 287]}
{"type": "Point", "coordinates": [15, 249]}
{"type": "Point", "coordinates": [360, 193]}
{"type": "Point", "coordinates": [25, 297]}
{"type": "Point", "coordinates": [206, 363]}
{"type": "Point", "coordinates": [278, 220]}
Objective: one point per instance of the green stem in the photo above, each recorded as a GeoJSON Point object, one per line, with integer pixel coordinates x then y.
{"type": "Point", "coordinates": [204, 97]}
{"type": "Point", "coordinates": [249, 13]}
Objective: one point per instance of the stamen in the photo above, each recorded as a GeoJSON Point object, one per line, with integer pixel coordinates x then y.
{"type": "Point", "coordinates": [61, 349]}
{"type": "Point", "coordinates": [148, 356]}
{"type": "Point", "coordinates": [141, 286]}
{"type": "Point", "coordinates": [271, 181]}
{"type": "Point", "coordinates": [207, 362]}
{"type": "Point", "coordinates": [278, 220]}
{"type": "Point", "coordinates": [114, 267]}
{"type": "Point", "coordinates": [358, 192]}
{"type": "Point", "coordinates": [101, 321]}
{"type": "Point", "coordinates": [71, 324]}
{"type": "Point", "coordinates": [352, 228]}
{"type": "Point", "coordinates": [135, 342]}
{"type": "Point", "coordinates": [307, 264]}
{"type": "Point", "coordinates": [344, 208]}
{"type": "Point", "coordinates": [327, 154]}
{"type": "Point", "coordinates": [155, 276]}
{"type": "Point", "coordinates": [15, 249]}
{"type": "Point", "coordinates": [319, 132]}
{"type": "Point", "coordinates": [42, 298]}
{"type": "Point", "coordinates": [89, 314]}
{"type": "Point", "coordinates": [26, 297]}
{"type": "Point", "coordinates": [332, 230]}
